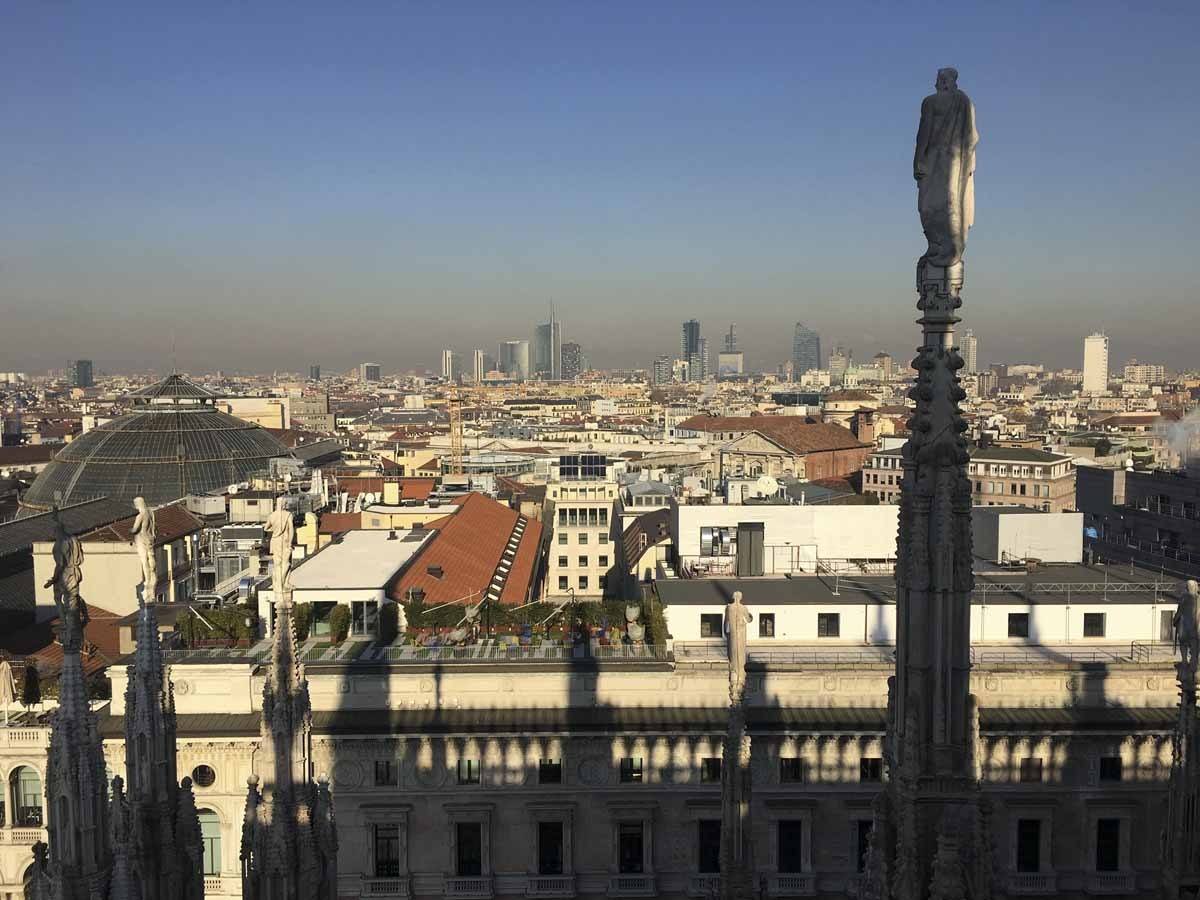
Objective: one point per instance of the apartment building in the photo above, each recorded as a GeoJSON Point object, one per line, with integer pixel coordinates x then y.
{"type": "Point", "coordinates": [1000, 476]}
{"type": "Point", "coordinates": [582, 508]}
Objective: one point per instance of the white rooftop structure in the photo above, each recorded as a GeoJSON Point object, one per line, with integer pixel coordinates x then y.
{"type": "Point", "coordinates": [361, 559]}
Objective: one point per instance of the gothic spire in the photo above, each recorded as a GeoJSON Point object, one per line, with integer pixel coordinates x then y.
{"type": "Point", "coordinates": [80, 859]}
{"type": "Point", "coordinates": [289, 841]}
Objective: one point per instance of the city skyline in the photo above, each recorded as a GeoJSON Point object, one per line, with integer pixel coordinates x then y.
{"type": "Point", "coordinates": [264, 225]}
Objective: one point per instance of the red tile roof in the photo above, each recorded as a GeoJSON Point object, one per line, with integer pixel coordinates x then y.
{"type": "Point", "coordinates": [410, 488]}
{"type": "Point", "coordinates": [468, 548]}
{"type": "Point", "coordinates": [336, 523]}
{"type": "Point", "coordinates": [101, 647]}
{"type": "Point", "coordinates": [798, 434]}
{"type": "Point", "coordinates": [170, 523]}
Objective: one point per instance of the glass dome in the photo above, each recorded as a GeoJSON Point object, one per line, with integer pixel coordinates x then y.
{"type": "Point", "coordinates": [173, 443]}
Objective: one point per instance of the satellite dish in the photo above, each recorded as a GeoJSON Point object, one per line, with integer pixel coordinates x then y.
{"type": "Point", "coordinates": [767, 486]}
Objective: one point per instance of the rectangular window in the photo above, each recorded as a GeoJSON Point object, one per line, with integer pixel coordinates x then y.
{"type": "Point", "coordinates": [468, 771]}
{"type": "Point", "coordinates": [602, 539]}
{"type": "Point", "coordinates": [583, 582]}
{"type": "Point", "coordinates": [583, 561]}
{"type": "Point", "coordinates": [631, 770]}
{"type": "Point", "coordinates": [863, 843]}
{"type": "Point", "coordinates": [1018, 625]}
{"type": "Point", "coordinates": [550, 771]}
{"type": "Point", "coordinates": [562, 537]}
{"type": "Point", "coordinates": [630, 843]}
{"type": "Point", "coordinates": [1093, 625]}
{"type": "Point", "coordinates": [791, 845]}
{"type": "Point", "coordinates": [870, 768]}
{"type": "Point", "coordinates": [564, 583]}
{"type": "Point", "coordinates": [766, 625]}
{"type": "Point", "coordinates": [583, 538]}
{"type": "Point", "coordinates": [468, 855]}
{"type": "Point", "coordinates": [1108, 845]}
{"type": "Point", "coordinates": [709, 841]}
{"type": "Point", "coordinates": [602, 562]}
{"type": "Point", "coordinates": [710, 769]}
{"type": "Point", "coordinates": [562, 515]}
{"type": "Point", "coordinates": [387, 851]}
{"type": "Point", "coordinates": [1029, 845]}
{"type": "Point", "coordinates": [563, 562]}
{"type": "Point", "coordinates": [550, 848]}
{"type": "Point", "coordinates": [791, 770]}
{"type": "Point", "coordinates": [829, 625]}
{"type": "Point", "coordinates": [387, 774]}
{"type": "Point", "coordinates": [711, 625]}
{"type": "Point", "coordinates": [604, 517]}
{"type": "Point", "coordinates": [1110, 768]}
{"type": "Point", "coordinates": [1031, 770]}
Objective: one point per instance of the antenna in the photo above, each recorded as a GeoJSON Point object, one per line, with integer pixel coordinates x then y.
{"type": "Point", "coordinates": [174, 360]}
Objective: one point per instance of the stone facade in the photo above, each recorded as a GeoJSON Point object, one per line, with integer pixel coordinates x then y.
{"type": "Point", "coordinates": [414, 752]}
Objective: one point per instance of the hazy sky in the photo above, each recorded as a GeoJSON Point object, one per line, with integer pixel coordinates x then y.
{"type": "Point", "coordinates": [282, 183]}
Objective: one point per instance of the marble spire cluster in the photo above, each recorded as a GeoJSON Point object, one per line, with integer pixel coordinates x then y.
{"type": "Point", "coordinates": [133, 844]}
{"type": "Point", "coordinates": [289, 839]}
{"type": "Point", "coordinates": [161, 852]}
{"type": "Point", "coordinates": [1181, 830]}
{"type": "Point", "coordinates": [78, 863]}
{"type": "Point", "coordinates": [931, 837]}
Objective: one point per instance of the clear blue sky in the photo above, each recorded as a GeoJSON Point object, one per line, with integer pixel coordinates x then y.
{"type": "Point", "coordinates": [288, 182]}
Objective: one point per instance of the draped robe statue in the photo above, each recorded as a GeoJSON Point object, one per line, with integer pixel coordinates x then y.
{"type": "Point", "coordinates": [282, 529]}
{"type": "Point", "coordinates": [737, 617]}
{"type": "Point", "coordinates": [1186, 626]}
{"type": "Point", "coordinates": [944, 166]}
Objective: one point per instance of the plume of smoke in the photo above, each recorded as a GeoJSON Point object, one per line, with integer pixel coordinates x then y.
{"type": "Point", "coordinates": [1183, 438]}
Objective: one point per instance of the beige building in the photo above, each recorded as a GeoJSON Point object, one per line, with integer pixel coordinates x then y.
{"type": "Point", "coordinates": [1000, 476]}
{"type": "Point", "coordinates": [582, 510]}
{"type": "Point", "coordinates": [112, 570]}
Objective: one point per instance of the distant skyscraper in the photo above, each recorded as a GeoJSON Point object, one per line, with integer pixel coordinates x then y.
{"type": "Point", "coordinates": [840, 360]}
{"type": "Point", "coordinates": [314, 373]}
{"type": "Point", "coordinates": [369, 371]}
{"type": "Point", "coordinates": [1095, 363]}
{"type": "Point", "coordinates": [572, 361]}
{"type": "Point", "coordinates": [448, 365]}
{"type": "Point", "coordinates": [81, 373]}
{"type": "Point", "coordinates": [970, 351]}
{"type": "Point", "coordinates": [689, 341]}
{"type": "Point", "coordinates": [806, 350]}
{"type": "Point", "coordinates": [514, 359]}
{"type": "Point", "coordinates": [664, 370]}
{"type": "Point", "coordinates": [731, 339]}
{"type": "Point", "coordinates": [547, 348]}
{"type": "Point", "coordinates": [699, 369]}
{"type": "Point", "coordinates": [477, 369]}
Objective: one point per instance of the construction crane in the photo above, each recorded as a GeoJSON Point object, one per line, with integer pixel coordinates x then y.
{"type": "Point", "coordinates": [454, 409]}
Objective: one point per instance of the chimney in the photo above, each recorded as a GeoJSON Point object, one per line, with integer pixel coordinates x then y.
{"type": "Point", "coordinates": [864, 426]}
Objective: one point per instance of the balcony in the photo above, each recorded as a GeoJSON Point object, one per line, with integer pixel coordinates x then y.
{"type": "Point", "coordinates": [386, 887]}
{"type": "Point", "coordinates": [469, 888]}
{"type": "Point", "coordinates": [212, 885]}
{"type": "Point", "coordinates": [632, 886]}
{"type": "Point", "coordinates": [708, 885]}
{"type": "Point", "coordinates": [1032, 883]}
{"type": "Point", "coordinates": [25, 837]}
{"type": "Point", "coordinates": [1110, 883]}
{"type": "Point", "coordinates": [550, 886]}
{"type": "Point", "coordinates": [792, 884]}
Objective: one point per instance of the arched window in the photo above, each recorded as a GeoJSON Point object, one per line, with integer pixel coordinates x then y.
{"type": "Point", "coordinates": [210, 834]}
{"type": "Point", "coordinates": [26, 789]}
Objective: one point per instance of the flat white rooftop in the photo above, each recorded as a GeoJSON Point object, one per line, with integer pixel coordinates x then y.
{"type": "Point", "coordinates": [361, 559]}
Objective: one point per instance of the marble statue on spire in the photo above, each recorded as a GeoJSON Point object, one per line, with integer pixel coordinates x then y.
{"type": "Point", "coordinates": [931, 838]}
{"type": "Point", "coordinates": [78, 863]}
{"type": "Point", "coordinates": [144, 535]}
{"type": "Point", "coordinates": [289, 838]}
{"type": "Point", "coordinates": [944, 167]}
{"type": "Point", "coordinates": [1181, 829]}
{"type": "Point", "coordinates": [737, 846]}
{"type": "Point", "coordinates": [161, 853]}
{"type": "Point", "coordinates": [282, 530]}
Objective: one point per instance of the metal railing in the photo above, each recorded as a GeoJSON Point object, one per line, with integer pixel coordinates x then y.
{"type": "Point", "coordinates": [386, 887]}
{"type": "Point", "coordinates": [1032, 883]}
{"type": "Point", "coordinates": [1187, 511]}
